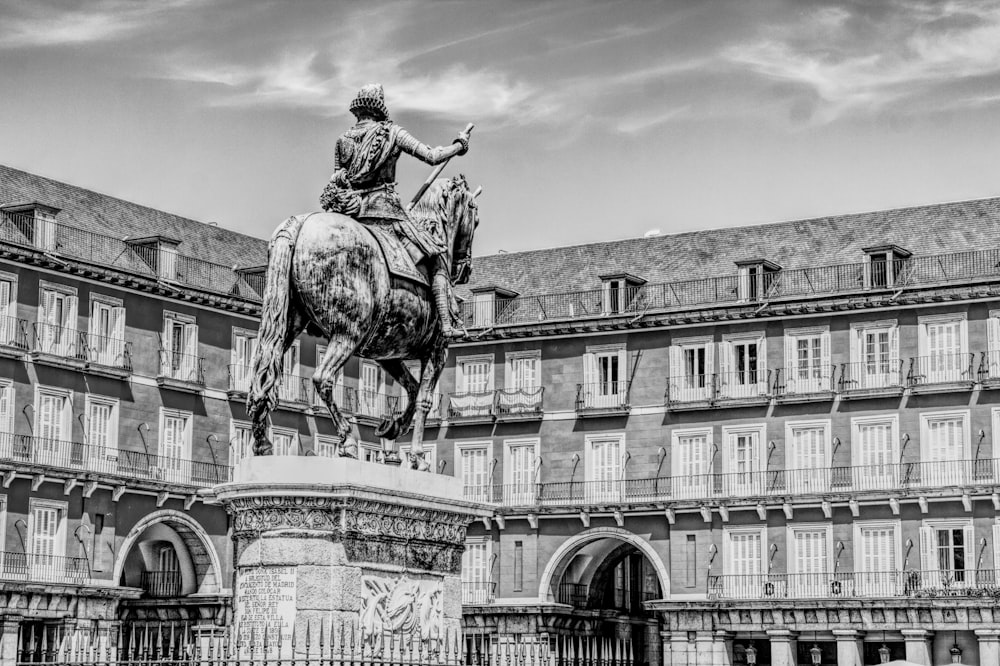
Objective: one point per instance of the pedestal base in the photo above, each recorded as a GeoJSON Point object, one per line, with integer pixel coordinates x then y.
{"type": "Point", "coordinates": [354, 552]}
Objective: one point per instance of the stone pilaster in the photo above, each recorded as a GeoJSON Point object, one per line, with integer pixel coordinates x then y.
{"type": "Point", "coordinates": [918, 646]}
{"type": "Point", "coordinates": [8, 639]}
{"type": "Point", "coordinates": [783, 647]}
{"type": "Point", "coordinates": [680, 649]}
{"type": "Point", "coordinates": [850, 647]}
{"type": "Point", "coordinates": [989, 645]}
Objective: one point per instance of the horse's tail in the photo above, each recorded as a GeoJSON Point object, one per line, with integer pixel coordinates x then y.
{"type": "Point", "coordinates": [265, 374]}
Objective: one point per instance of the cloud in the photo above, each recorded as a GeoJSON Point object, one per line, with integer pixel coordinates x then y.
{"type": "Point", "coordinates": [862, 63]}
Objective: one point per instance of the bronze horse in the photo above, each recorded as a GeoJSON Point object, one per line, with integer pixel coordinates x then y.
{"type": "Point", "coordinates": [326, 274]}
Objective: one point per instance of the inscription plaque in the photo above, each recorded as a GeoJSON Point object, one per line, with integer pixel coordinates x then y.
{"type": "Point", "coordinates": [267, 597]}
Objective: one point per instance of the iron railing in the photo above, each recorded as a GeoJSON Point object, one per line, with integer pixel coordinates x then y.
{"type": "Point", "coordinates": [370, 404]}
{"type": "Point", "coordinates": [239, 378]}
{"type": "Point", "coordinates": [816, 380]}
{"type": "Point", "coordinates": [574, 594]}
{"type": "Point", "coordinates": [941, 369]}
{"type": "Point", "coordinates": [815, 281]}
{"type": "Point", "coordinates": [108, 352]}
{"type": "Point", "coordinates": [180, 367]}
{"type": "Point", "coordinates": [989, 368]}
{"type": "Point", "coordinates": [161, 583]}
{"type": "Point", "coordinates": [603, 397]}
{"type": "Point", "coordinates": [690, 389]}
{"type": "Point", "coordinates": [77, 456]}
{"type": "Point", "coordinates": [519, 402]}
{"type": "Point", "coordinates": [743, 385]}
{"type": "Point", "coordinates": [478, 592]}
{"type": "Point", "coordinates": [906, 476]}
{"type": "Point", "coordinates": [14, 333]}
{"type": "Point", "coordinates": [295, 389]}
{"type": "Point", "coordinates": [880, 375]}
{"type": "Point", "coordinates": [59, 341]}
{"type": "Point", "coordinates": [39, 567]}
{"type": "Point", "coordinates": [850, 584]}
{"type": "Point", "coordinates": [26, 230]}
{"type": "Point", "coordinates": [471, 405]}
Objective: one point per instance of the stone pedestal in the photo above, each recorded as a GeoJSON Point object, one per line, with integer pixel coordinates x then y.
{"type": "Point", "coordinates": [359, 552]}
{"type": "Point", "coordinates": [918, 646]}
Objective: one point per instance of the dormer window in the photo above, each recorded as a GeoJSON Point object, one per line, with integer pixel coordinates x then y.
{"type": "Point", "coordinates": [490, 304]}
{"type": "Point", "coordinates": [620, 292]}
{"type": "Point", "coordinates": [884, 266]}
{"type": "Point", "coordinates": [157, 252]}
{"type": "Point", "coordinates": [34, 222]}
{"type": "Point", "coordinates": [251, 280]}
{"type": "Point", "coordinates": [758, 279]}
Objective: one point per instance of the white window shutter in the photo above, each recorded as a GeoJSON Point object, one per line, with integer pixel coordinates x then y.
{"type": "Point", "coordinates": [709, 362]}
{"type": "Point", "coordinates": [589, 369]}
{"type": "Point", "coordinates": [676, 361]}
{"type": "Point", "coordinates": [894, 348]}
{"type": "Point", "coordinates": [791, 359]}
{"type": "Point", "coordinates": [118, 323]}
{"type": "Point", "coordinates": [6, 408]}
{"type": "Point", "coordinates": [725, 360]}
{"type": "Point", "coordinates": [5, 300]}
{"type": "Point", "coordinates": [969, 539]}
{"type": "Point", "coordinates": [69, 313]}
{"type": "Point", "coordinates": [928, 549]}
{"type": "Point", "coordinates": [191, 339]}
{"type": "Point", "coordinates": [993, 332]}
{"type": "Point", "coordinates": [996, 546]}
{"type": "Point", "coordinates": [825, 360]}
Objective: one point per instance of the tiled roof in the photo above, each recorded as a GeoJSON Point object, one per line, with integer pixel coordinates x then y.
{"type": "Point", "coordinates": [107, 215]}
{"type": "Point", "coordinates": [824, 241]}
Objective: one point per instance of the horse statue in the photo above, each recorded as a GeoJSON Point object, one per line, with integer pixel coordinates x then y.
{"type": "Point", "coordinates": [327, 275]}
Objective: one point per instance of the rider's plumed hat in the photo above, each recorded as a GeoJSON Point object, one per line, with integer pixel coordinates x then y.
{"type": "Point", "coordinates": [370, 98]}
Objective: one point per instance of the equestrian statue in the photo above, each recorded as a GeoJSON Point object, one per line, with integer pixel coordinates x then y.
{"type": "Point", "coordinates": [368, 275]}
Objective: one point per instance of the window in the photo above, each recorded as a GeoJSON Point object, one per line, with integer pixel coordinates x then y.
{"type": "Point", "coordinates": [758, 279]}
{"type": "Point", "coordinates": [691, 368]}
{"type": "Point", "coordinates": [56, 333]}
{"type": "Point", "coordinates": [473, 387]}
{"type": "Point", "coordinates": [370, 452]}
{"type": "Point", "coordinates": [106, 338]}
{"type": "Point", "coordinates": [605, 376]}
{"type": "Point", "coordinates": [946, 551]}
{"type": "Point", "coordinates": [6, 418]}
{"type": "Point", "coordinates": [743, 461]}
{"type": "Point", "coordinates": [875, 454]}
{"type": "Point", "coordinates": [523, 387]}
{"type": "Point", "coordinates": [811, 560]}
{"type": "Point", "coordinates": [519, 471]}
{"type": "Point", "coordinates": [326, 446]}
{"type": "Point", "coordinates": [474, 461]}
{"type": "Point", "coordinates": [807, 456]}
{"type": "Point", "coordinates": [943, 341]}
{"type": "Point", "coordinates": [476, 587]}
{"type": "Point", "coordinates": [240, 442]}
{"type": "Point", "coordinates": [53, 425]}
{"type": "Point", "coordinates": [604, 466]}
{"type": "Point", "coordinates": [691, 555]}
{"type": "Point", "coordinates": [876, 558]}
{"type": "Point", "coordinates": [175, 445]}
{"type": "Point", "coordinates": [518, 566]}
{"type": "Point", "coordinates": [945, 448]}
{"type": "Point", "coordinates": [371, 390]}
{"type": "Point", "coordinates": [10, 332]}
{"type": "Point", "coordinates": [876, 356]}
{"type": "Point", "coordinates": [808, 368]}
{"type": "Point", "coordinates": [47, 539]}
{"type": "Point", "coordinates": [241, 358]}
{"type": "Point", "coordinates": [101, 427]}
{"type": "Point", "coordinates": [742, 367]}
{"type": "Point", "coordinates": [691, 463]}
{"type": "Point", "coordinates": [430, 454]}
{"type": "Point", "coordinates": [292, 387]}
{"type": "Point", "coordinates": [743, 552]}
{"type": "Point", "coordinates": [285, 441]}
{"type": "Point", "coordinates": [179, 348]}
{"type": "Point", "coordinates": [885, 266]}
{"type": "Point", "coordinates": [993, 345]}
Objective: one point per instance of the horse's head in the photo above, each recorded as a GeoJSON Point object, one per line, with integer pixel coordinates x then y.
{"type": "Point", "coordinates": [450, 201]}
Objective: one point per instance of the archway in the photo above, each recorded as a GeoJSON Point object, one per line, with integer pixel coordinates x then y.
{"type": "Point", "coordinates": [168, 554]}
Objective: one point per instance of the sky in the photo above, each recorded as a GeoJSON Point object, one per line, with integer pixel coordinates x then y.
{"type": "Point", "coordinates": [594, 120]}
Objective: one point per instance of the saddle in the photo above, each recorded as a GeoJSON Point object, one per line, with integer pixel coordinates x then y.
{"type": "Point", "coordinates": [397, 257]}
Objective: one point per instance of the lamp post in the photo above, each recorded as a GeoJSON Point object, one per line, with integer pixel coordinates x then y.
{"type": "Point", "coordinates": [815, 653]}
{"type": "Point", "coordinates": [956, 652]}
{"type": "Point", "coordinates": [883, 652]}
{"type": "Point", "coordinates": [751, 655]}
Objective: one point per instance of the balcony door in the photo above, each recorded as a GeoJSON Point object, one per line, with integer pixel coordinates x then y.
{"type": "Point", "coordinates": [877, 569]}
{"type": "Point", "coordinates": [809, 457]}
{"type": "Point", "coordinates": [57, 321]}
{"type": "Point", "coordinates": [604, 378]}
{"type": "Point", "coordinates": [878, 356]}
{"type": "Point", "coordinates": [691, 465]}
{"type": "Point", "coordinates": [691, 372]}
{"type": "Point", "coordinates": [944, 347]}
{"type": "Point", "coordinates": [370, 389]}
{"type": "Point", "coordinates": [475, 572]}
{"type": "Point", "coordinates": [106, 339]}
{"type": "Point", "coordinates": [474, 467]}
{"type": "Point", "coordinates": [947, 553]}
{"type": "Point", "coordinates": [519, 489]}
{"type": "Point", "coordinates": [179, 358]}
{"type": "Point", "coordinates": [875, 467]}
{"type": "Point", "coordinates": [474, 387]}
{"type": "Point", "coordinates": [744, 463]}
{"type": "Point", "coordinates": [807, 362]}
{"type": "Point", "coordinates": [6, 419]}
{"type": "Point", "coordinates": [943, 457]}
{"type": "Point", "coordinates": [742, 370]}
{"type": "Point", "coordinates": [52, 428]}
{"type": "Point", "coordinates": [743, 565]}
{"type": "Point", "coordinates": [241, 358]}
{"type": "Point", "coordinates": [46, 541]}
{"type": "Point", "coordinates": [605, 469]}
{"type": "Point", "coordinates": [810, 558]}
{"type": "Point", "coordinates": [102, 434]}
{"type": "Point", "coordinates": [174, 448]}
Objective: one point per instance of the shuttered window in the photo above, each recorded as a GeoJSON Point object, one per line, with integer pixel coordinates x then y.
{"type": "Point", "coordinates": [744, 553]}
{"type": "Point", "coordinates": [57, 323]}
{"type": "Point", "coordinates": [241, 357]}
{"type": "Point", "coordinates": [106, 340]}
{"type": "Point", "coordinates": [524, 372]}
{"type": "Point", "coordinates": [474, 466]}
{"type": "Point", "coordinates": [47, 531]}
{"type": "Point", "coordinates": [102, 425]}
{"type": "Point", "coordinates": [807, 362]}
{"type": "Point", "coordinates": [874, 455]}
{"type": "Point", "coordinates": [240, 442]}
{"type": "Point", "coordinates": [179, 344]}
{"type": "Point", "coordinates": [476, 377]}
{"type": "Point", "coordinates": [285, 442]}
{"type": "Point", "coordinates": [690, 464]}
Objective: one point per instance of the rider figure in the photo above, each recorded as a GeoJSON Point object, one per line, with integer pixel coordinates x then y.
{"type": "Point", "coordinates": [363, 186]}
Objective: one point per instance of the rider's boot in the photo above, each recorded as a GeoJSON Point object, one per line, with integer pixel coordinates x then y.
{"type": "Point", "coordinates": [440, 287]}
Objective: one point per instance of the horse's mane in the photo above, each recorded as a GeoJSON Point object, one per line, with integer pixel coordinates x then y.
{"type": "Point", "coordinates": [432, 205]}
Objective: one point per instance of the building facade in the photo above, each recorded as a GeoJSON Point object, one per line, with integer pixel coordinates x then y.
{"type": "Point", "coordinates": [771, 444]}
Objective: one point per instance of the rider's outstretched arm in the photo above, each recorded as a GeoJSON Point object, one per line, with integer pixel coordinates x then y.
{"type": "Point", "coordinates": [433, 156]}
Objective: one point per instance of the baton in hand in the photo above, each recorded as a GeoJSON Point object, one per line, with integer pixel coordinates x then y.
{"type": "Point", "coordinates": [434, 174]}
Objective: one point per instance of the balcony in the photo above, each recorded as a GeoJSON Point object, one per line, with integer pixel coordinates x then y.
{"type": "Point", "coordinates": [58, 346]}
{"type": "Point", "coordinates": [478, 593]}
{"type": "Point", "coordinates": [690, 392]}
{"type": "Point", "coordinates": [871, 379]}
{"type": "Point", "coordinates": [161, 584]}
{"type": "Point", "coordinates": [137, 465]}
{"type": "Point", "coordinates": [804, 384]}
{"type": "Point", "coordinates": [572, 594]}
{"type": "Point", "coordinates": [472, 407]}
{"type": "Point", "coordinates": [855, 584]}
{"type": "Point", "coordinates": [524, 404]}
{"type": "Point", "coordinates": [295, 392]}
{"type": "Point", "coordinates": [602, 399]}
{"type": "Point", "coordinates": [239, 381]}
{"type": "Point", "coordinates": [181, 372]}
{"type": "Point", "coordinates": [13, 337]}
{"type": "Point", "coordinates": [110, 357]}
{"type": "Point", "coordinates": [743, 388]}
{"type": "Point", "coordinates": [941, 373]}
{"type": "Point", "coordinates": [369, 407]}
{"type": "Point", "coordinates": [989, 369]}
{"type": "Point", "coordinates": [44, 568]}
{"type": "Point", "coordinates": [797, 284]}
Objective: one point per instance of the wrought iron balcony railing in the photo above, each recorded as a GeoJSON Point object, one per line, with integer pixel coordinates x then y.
{"type": "Point", "coordinates": [941, 369]}
{"type": "Point", "coordinates": [989, 368]}
{"type": "Point", "coordinates": [38, 567]}
{"type": "Point", "coordinates": [804, 381]}
{"type": "Point", "coordinates": [743, 386]}
{"type": "Point", "coordinates": [907, 476]}
{"type": "Point", "coordinates": [107, 352]}
{"type": "Point", "coordinates": [818, 281]}
{"type": "Point", "coordinates": [76, 456]}
{"type": "Point", "coordinates": [58, 341]}
{"type": "Point", "coordinates": [602, 397]}
{"type": "Point", "coordinates": [884, 375]}
{"type": "Point", "coordinates": [186, 368]}
{"type": "Point", "coordinates": [13, 333]}
{"type": "Point", "coordinates": [519, 402]}
{"type": "Point", "coordinates": [292, 389]}
{"type": "Point", "coordinates": [478, 592]}
{"type": "Point", "coordinates": [854, 584]}
{"type": "Point", "coordinates": [573, 594]}
{"type": "Point", "coordinates": [369, 404]}
{"type": "Point", "coordinates": [685, 389]}
{"type": "Point", "coordinates": [472, 405]}
{"type": "Point", "coordinates": [161, 583]}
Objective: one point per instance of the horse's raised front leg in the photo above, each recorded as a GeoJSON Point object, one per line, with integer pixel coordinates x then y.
{"type": "Point", "coordinates": [324, 379]}
{"type": "Point", "coordinates": [433, 367]}
{"type": "Point", "coordinates": [398, 425]}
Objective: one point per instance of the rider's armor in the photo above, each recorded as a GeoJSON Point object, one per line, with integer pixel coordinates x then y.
{"type": "Point", "coordinates": [363, 185]}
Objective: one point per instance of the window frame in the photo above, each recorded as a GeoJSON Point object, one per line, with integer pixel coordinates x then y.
{"type": "Point", "coordinates": [92, 399]}
{"type": "Point", "coordinates": [927, 417]}
{"type": "Point", "coordinates": [66, 425]}
{"type": "Point", "coordinates": [62, 509]}
{"type": "Point", "coordinates": [588, 464]}
{"type": "Point", "coordinates": [461, 383]}
{"type": "Point", "coordinates": [475, 445]}
{"type": "Point", "coordinates": [945, 318]}
{"type": "Point", "coordinates": [292, 433]}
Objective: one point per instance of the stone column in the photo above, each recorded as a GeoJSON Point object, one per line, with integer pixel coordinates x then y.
{"type": "Point", "coordinates": [989, 646]}
{"type": "Point", "coordinates": [680, 649]}
{"type": "Point", "coordinates": [723, 655]}
{"type": "Point", "coordinates": [372, 550]}
{"type": "Point", "coordinates": [782, 647]}
{"type": "Point", "coordinates": [918, 646]}
{"type": "Point", "coordinates": [8, 639]}
{"type": "Point", "coordinates": [704, 649]}
{"type": "Point", "coordinates": [850, 647]}
{"type": "Point", "coordinates": [665, 642]}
